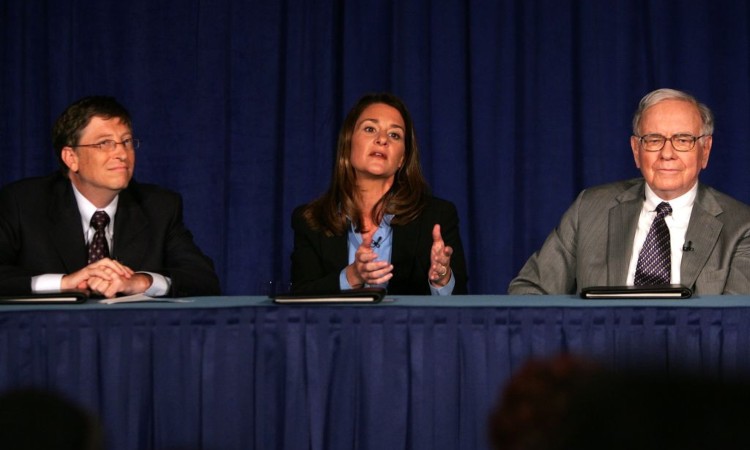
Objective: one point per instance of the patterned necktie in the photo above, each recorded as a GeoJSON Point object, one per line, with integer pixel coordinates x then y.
{"type": "Point", "coordinates": [655, 261]}
{"type": "Point", "coordinates": [98, 248]}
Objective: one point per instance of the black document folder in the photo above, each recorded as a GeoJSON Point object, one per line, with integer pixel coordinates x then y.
{"type": "Point", "coordinates": [362, 295]}
{"type": "Point", "coordinates": [61, 297]}
{"type": "Point", "coordinates": [668, 291]}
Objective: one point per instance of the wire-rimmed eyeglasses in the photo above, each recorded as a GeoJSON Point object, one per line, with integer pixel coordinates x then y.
{"type": "Point", "coordinates": [109, 145]}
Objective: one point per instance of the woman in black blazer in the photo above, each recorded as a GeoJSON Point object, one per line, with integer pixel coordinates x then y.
{"type": "Point", "coordinates": [377, 224]}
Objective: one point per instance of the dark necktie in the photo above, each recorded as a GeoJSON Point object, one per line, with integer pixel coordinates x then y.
{"type": "Point", "coordinates": [655, 261]}
{"type": "Point", "coordinates": [98, 248]}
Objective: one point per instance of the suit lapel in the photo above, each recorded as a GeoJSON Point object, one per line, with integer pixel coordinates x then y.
{"type": "Point", "coordinates": [404, 251]}
{"type": "Point", "coordinates": [335, 249]}
{"type": "Point", "coordinates": [66, 232]}
{"type": "Point", "coordinates": [622, 224]}
{"type": "Point", "coordinates": [703, 232]}
{"type": "Point", "coordinates": [130, 223]}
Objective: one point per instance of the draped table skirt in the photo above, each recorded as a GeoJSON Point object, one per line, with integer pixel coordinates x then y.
{"type": "Point", "coordinates": [412, 373]}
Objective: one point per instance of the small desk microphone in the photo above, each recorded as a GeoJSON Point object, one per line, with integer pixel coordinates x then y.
{"type": "Point", "coordinates": [376, 243]}
{"type": "Point", "coordinates": [688, 247]}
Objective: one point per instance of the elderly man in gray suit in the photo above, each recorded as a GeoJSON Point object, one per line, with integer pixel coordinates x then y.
{"type": "Point", "coordinates": [612, 234]}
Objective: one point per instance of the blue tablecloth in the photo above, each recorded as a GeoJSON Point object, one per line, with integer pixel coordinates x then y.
{"type": "Point", "coordinates": [410, 373]}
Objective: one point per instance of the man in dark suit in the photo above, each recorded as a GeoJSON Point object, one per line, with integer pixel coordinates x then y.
{"type": "Point", "coordinates": [609, 236]}
{"type": "Point", "coordinates": [91, 226]}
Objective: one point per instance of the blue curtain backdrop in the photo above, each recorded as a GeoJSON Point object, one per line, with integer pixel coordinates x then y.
{"type": "Point", "coordinates": [519, 104]}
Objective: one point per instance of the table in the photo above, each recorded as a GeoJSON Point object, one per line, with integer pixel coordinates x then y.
{"type": "Point", "coordinates": [409, 373]}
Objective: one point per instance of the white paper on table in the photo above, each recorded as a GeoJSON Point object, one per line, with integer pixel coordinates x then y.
{"type": "Point", "coordinates": [141, 298]}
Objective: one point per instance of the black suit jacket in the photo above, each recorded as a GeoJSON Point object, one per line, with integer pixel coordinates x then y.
{"type": "Point", "coordinates": [317, 259]}
{"type": "Point", "coordinates": [41, 232]}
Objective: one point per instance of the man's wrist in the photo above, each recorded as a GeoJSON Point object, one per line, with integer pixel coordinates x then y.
{"type": "Point", "coordinates": [141, 282]}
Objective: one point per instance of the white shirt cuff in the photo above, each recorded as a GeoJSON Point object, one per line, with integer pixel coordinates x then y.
{"type": "Point", "coordinates": [159, 285]}
{"type": "Point", "coordinates": [47, 282]}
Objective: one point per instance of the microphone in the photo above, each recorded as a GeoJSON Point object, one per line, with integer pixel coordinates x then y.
{"type": "Point", "coordinates": [688, 247]}
{"type": "Point", "coordinates": [376, 243]}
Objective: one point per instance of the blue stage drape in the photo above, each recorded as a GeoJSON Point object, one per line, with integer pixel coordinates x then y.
{"type": "Point", "coordinates": [519, 104]}
{"type": "Point", "coordinates": [328, 377]}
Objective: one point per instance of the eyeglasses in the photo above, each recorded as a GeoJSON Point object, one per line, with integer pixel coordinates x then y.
{"type": "Point", "coordinates": [109, 144]}
{"type": "Point", "coordinates": [680, 142]}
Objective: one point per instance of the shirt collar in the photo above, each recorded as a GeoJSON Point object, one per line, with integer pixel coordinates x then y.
{"type": "Point", "coordinates": [87, 209]}
{"type": "Point", "coordinates": [683, 201]}
{"type": "Point", "coordinates": [386, 222]}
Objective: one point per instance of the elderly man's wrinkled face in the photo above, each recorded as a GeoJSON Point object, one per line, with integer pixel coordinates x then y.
{"type": "Point", "coordinates": [668, 172]}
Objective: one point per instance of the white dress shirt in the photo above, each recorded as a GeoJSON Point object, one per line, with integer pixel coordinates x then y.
{"type": "Point", "coordinates": [677, 222]}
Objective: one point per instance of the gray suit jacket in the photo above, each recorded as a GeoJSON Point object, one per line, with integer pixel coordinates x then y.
{"type": "Point", "coordinates": [593, 244]}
